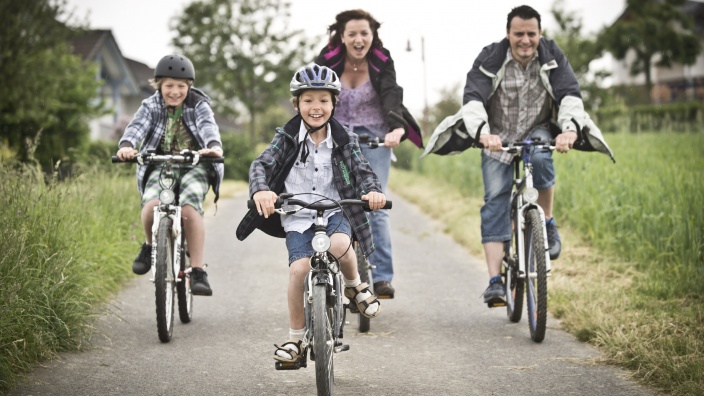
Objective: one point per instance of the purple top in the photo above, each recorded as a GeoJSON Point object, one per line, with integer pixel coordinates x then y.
{"type": "Point", "coordinates": [361, 106]}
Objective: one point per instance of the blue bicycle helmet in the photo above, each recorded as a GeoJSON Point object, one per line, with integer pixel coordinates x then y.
{"type": "Point", "coordinates": [315, 77]}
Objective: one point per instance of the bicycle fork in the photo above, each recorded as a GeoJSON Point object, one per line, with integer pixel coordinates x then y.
{"type": "Point", "coordinates": [174, 212]}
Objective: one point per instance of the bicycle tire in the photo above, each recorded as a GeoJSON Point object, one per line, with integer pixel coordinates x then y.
{"type": "Point", "coordinates": [183, 288]}
{"type": "Point", "coordinates": [515, 287]}
{"type": "Point", "coordinates": [365, 275]}
{"type": "Point", "coordinates": [536, 277]}
{"type": "Point", "coordinates": [164, 281]}
{"type": "Point", "coordinates": [323, 341]}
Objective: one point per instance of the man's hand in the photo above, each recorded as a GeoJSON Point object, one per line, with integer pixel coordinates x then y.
{"type": "Point", "coordinates": [491, 142]}
{"type": "Point", "coordinates": [265, 202]}
{"type": "Point", "coordinates": [565, 141]}
{"type": "Point", "coordinates": [376, 200]}
{"type": "Point", "coordinates": [393, 138]}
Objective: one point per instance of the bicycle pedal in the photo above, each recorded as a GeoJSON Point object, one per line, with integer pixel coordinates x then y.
{"type": "Point", "coordinates": [339, 347]}
{"type": "Point", "coordinates": [290, 365]}
{"type": "Point", "coordinates": [385, 296]}
{"type": "Point", "coordinates": [353, 308]}
{"type": "Point", "coordinates": [496, 304]}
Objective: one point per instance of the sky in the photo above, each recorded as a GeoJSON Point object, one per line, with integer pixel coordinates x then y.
{"type": "Point", "coordinates": [454, 31]}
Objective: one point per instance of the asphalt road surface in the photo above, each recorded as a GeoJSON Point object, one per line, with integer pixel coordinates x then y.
{"type": "Point", "coordinates": [435, 338]}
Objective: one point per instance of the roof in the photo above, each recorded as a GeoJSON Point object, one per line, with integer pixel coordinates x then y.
{"type": "Point", "coordinates": [88, 44]}
{"type": "Point", "coordinates": [142, 73]}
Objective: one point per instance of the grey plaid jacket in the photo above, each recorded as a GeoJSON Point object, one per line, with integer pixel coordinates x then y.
{"type": "Point", "coordinates": [352, 175]}
{"type": "Point", "coordinates": [148, 125]}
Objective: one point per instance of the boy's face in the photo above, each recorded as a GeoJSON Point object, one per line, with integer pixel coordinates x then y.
{"type": "Point", "coordinates": [315, 106]}
{"type": "Point", "coordinates": [174, 91]}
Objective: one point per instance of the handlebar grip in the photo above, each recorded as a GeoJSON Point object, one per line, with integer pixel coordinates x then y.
{"type": "Point", "coordinates": [251, 205]}
{"type": "Point", "coordinates": [116, 160]}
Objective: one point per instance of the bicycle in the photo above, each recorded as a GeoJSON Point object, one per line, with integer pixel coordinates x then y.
{"type": "Point", "coordinates": [364, 266]}
{"type": "Point", "coordinates": [526, 262]}
{"type": "Point", "coordinates": [323, 293]}
{"type": "Point", "coordinates": [170, 259]}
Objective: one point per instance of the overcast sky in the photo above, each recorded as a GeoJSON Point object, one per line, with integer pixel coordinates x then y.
{"type": "Point", "coordinates": [454, 31]}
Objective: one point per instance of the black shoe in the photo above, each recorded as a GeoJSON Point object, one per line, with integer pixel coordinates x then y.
{"type": "Point", "coordinates": [495, 293]}
{"type": "Point", "coordinates": [383, 289]}
{"type": "Point", "coordinates": [199, 283]}
{"type": "Point", "coordinates": [554, 243]}
{"type": "Point", "coordinates": [143, 263]}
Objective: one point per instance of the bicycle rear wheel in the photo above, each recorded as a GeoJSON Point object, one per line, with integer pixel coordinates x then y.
{"type": "Point", "coordinates": [536, 277]}
{"type": "Point", "coordinates": [365, 275]}
{"type": "Point", "coordinates": [183, 288]}
{"type": "Point", "coordinates": [164, 280]}
{"type": "Point", "coordinates": [323, 341]}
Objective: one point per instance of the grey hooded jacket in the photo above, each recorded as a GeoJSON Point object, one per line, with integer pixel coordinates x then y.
{"type": "Point", "coordinates": [458, 132]}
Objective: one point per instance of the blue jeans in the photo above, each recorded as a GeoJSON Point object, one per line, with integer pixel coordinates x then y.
{"type": "Point", "coordinates": [299, 244]}
{"type": "Point", "coordinates": [380, 161]}
{"type": "Point", "coordinates": [498, 181]}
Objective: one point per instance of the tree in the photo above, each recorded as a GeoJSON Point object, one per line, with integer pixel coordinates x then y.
{"type": "Point", "coordinates": [650, 28]}
{"type": "Point", "coordinates": [46, 90]}
{"type": "Point", "coordinates": [580, 50]}
{"type": "Point", "coordinates": [243, 51]}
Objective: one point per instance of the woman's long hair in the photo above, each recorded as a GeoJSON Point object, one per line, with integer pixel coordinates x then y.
{"type": "Point", "coordinates": [336, 30]}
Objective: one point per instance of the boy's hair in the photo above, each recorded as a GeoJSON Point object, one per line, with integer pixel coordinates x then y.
{"type": "Point", "coordinates": [156, 82]}
{"type": "Point", "coordinates": [524, 12]}
{"type": "Point", "coordinates": [336, 29]}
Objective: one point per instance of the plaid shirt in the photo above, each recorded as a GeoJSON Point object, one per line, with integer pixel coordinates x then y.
{"type": "Point", "coordinates": [352, 176]}
{"type": "Point", "coordinates": [520, 103]}
{"type": "Point", "coordinates": [149, 123]}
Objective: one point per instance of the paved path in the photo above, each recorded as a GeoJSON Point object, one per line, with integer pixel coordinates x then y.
{"type": "Point", "coordinates": [435, 338]}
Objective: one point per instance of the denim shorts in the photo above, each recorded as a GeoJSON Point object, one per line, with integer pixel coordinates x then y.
{"type": "Point", "coordinates": [299, 244]}
{"type": "Point", "coordinates": [498, 181]}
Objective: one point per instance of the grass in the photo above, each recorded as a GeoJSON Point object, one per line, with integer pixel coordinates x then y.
{"type": "Point", "coordinates": [66, 248]}
{"type": "Point", "coordinates": [631, 276]}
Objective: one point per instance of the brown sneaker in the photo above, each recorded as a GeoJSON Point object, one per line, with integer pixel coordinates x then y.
{"type": "Point", "coordinates": [383, 289]}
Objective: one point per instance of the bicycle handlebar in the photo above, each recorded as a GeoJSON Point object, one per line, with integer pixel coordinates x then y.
{"type": "Point", "coordinates": [513, 146]}
{"type": "Point", "coordinates": [374, 142]}
{"type": "Point", "coordinates": [177, 158]}
{"type": "Point", "coordinates": [323, 204]}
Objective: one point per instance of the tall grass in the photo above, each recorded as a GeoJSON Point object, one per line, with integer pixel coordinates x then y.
{"type": "Point", "coordinates": [631, 276]}
{"type": "Point", "coordinates": [65, 247]}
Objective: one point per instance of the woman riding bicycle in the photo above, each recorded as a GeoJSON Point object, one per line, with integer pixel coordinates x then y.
{"type": "Point", "coordinates": [177, 117]}
{"type": "Point", "coordinates": [314, 154]}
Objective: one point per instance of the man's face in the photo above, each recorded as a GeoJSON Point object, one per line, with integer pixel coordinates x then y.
{"type": "Point", "coordinates": [524, 36]}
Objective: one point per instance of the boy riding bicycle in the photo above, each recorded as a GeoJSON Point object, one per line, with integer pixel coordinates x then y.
{"type": "Point", "coordinates": [315, 156]}
{"type": "Point", "coordinates": [177, 117]}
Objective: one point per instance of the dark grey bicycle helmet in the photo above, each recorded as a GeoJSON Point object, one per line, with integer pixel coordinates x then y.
{"type": "Point", "coordinates": [175, 66]}
{"type": "Point", "coordinates": [315, 77]}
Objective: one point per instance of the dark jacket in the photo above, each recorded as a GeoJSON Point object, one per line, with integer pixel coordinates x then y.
{"type": "Point", "coordinates": [352, 176]}
{"type": "Point", "coordinates": [383, 78]}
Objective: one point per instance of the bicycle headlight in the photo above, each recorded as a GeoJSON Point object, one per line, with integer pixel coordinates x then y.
{"type": "Point", "coordinates": [321, 243]}
{"type": "Point", "coordinates": [530, 195]}
{"type": "Point", "coordinates": [167, 197]}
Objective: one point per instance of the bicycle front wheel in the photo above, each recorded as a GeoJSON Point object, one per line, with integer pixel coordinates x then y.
{"type": "Point", "coordinates": [365, 275]}
{"type": "Point", "coordinates": [183, 288]}
{"type": "Point", "coordinates": [536, 277]}
{"type": "Point", "coordinates": [164, 280]}
{"type": "Point", "coordinates": [514, 285]}
{"type": "Point", "coordinates": [323, 341]}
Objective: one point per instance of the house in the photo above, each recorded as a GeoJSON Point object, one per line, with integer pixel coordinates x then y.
{"type": "Point", "coordinates": [121, 88]}
{"type": "Point", "coordinates": [676, 83]}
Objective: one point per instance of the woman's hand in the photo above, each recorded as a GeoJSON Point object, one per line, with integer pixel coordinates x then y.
{"type": "Point", "coordinates": [393, 138]}
{"type": "Point", "coordinates": [215, 151]}
{"type": "Point", "coordinates": [265, 202]}
{"type": "Point", "coordinates": [126, 153]}
{"type": "Point", "coordinates": [376, 200]}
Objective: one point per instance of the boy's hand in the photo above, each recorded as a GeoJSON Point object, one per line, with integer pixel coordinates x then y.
{"type": "Point", "coordinates": [376, 200]}
{"type": "Point", "coordinates": [215, 151]}
{"type": "Point", "coordinates": [265, 202]}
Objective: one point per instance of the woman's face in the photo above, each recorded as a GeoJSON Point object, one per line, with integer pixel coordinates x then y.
{"type": "Point", "coordinates": [174, 91]}
{"type": "Point", "coordinates": [357, 38]}
{"type": "Point", "coordinates": [315, 106]}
